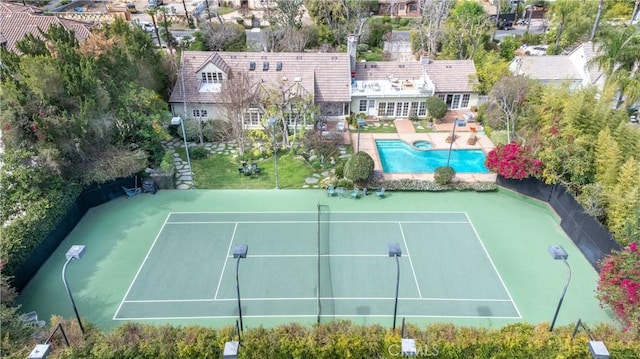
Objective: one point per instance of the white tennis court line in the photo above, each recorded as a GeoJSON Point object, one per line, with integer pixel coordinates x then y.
{"type": "Point", "coordinates": [314, 212]}
{"type": "Point", "coordinates": [335, 316]}
{"type": "Point", "coordinates": [415, 278]}
{"type": "Point", "coordinates": [332, 221]}
{"type": "Point", "coordinates": [310, 255]}
{"type": "Point", "coordinates": [141, 265]}
{"type": "Point", "coordinates": [494, 266]}
{"type": "Point", "coordinates": [284, 299]}
{"type": "Point", "coordinates": [224, 266]}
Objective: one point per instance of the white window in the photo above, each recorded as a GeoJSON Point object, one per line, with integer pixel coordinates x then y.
{"type": "Point", "coordinates": [212, 77]}
{"type": "Point", "coordinates": [465, 100]}
{"type": "Point", "coordinates": [401, 7]}
{"type": "Point", "coordinates": [422, 110]}
{"type": "Point", "coordinates": [456, 101]}
{"type": "Point", "coordinates": [200, 114]}
{"type": "Point", "coordinates": [382, 108]}
{"type": "Point", "coordinates": [414, 109]}
{"type": "Point", "coordinates": [372, 104]}
{"type": "Point", "coordinates": [402, 109]}
{"type": "Point", "coordinates": [252, 118]}
{"type": "Point", "coordinates": [390, 108]}
{"type": "Point", "coordinates": [363, 106]}
{"type": "Point", "coordinates": [441, 96]}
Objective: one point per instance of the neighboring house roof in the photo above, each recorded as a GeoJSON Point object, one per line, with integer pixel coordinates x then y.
{"type": "Point", "coordinates": [452, 75]}
{"type": "Point", "coordinates": [581, 57]}
{"type": "Point", "coordinates": [446, 75]}
{"type": "Point", "coordinates": [325, 75]}
{"type": "Point", "coordinates": [8, 7]}
{"type": "Point", "coordinates": [545, 68]}
{"type": "Point", "coordinates": [17, 21]}
{"type": "Point", "coordinates": [576, 66]}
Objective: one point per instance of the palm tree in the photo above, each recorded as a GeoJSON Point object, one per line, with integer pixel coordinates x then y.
{"type": "Point", "coordinates": [618, 58]}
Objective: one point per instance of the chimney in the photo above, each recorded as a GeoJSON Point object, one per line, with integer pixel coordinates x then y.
{"type": "Point", "coordinates": [352, 49]}
{"type": "Point", "coordinates": [424, 59]}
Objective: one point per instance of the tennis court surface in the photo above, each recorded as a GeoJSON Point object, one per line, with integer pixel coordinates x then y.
{"type": "Point", "coordinates": [467, 258]}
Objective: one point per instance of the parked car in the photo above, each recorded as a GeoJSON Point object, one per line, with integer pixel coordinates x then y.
{"type": "Point", "coordinates": [155, 3]}
{"type": "Point", "coordinates": [146, 26]}
{"type": "Point", "coordinates": [505, 24]}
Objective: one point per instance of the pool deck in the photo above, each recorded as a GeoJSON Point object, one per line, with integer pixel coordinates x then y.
{"type": "Point", "coordinates": [407, 134]}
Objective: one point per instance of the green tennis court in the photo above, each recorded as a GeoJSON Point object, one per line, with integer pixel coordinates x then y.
{"type": "Point", "coordinates": [467, 258]}
{"type": "Point", "coordinates": [305, 264]}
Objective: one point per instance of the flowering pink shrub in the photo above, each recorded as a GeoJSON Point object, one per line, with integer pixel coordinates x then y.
{"type": "Point", "coordinates": [513, 161]}
{"type": "Point", "coordinates": [619, 285]}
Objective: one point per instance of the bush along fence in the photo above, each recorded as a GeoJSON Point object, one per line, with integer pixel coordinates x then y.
{"type": "Point", "coordinates": [343, 339]}
{"type": "Point", "coordinates": [593, 240]}
{"type": "Point", "coordinates": [30, 241]}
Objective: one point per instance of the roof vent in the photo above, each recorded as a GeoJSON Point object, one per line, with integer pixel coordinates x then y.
{"type": "Point", "coordinates": [279, 66]}
{"type": "Point", "coordinates": [252, 66]}
{"type": "Point", "coordinates": [265, 66]}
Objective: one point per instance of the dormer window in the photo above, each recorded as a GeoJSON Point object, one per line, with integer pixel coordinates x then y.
{"type": "Point", "coordinates": [279, 66]}
{"type": "Point", "coordinates": [212, 77]}
{"type": "Point", "coordinates": [252, 66]}
{"type": "Point", "coordinates": [265, 66]}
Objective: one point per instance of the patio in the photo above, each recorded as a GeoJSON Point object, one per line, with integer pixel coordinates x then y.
{"type": "Point", "coordinates": [437, 139]}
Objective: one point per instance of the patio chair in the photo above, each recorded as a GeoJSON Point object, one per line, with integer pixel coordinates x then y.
{"type": "Point", "coordinates": [331, 191]}
{"type": "Point", "coordinates": [355, 193]}
{"type": "Point", "coordinates": [340, 127]}
{"type": "Point", "coordinates": [32, 318]}
{"type": "Point", "coordinates": [131, 192]}
{"type": "Point", "coordinates": [380, 193]}
{"type": "Point", "coordinates": [340, 192]}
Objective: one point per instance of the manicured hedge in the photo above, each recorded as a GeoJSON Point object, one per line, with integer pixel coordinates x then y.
{"type": "Point", "coordinates": [342, 339]}
{"type": "Point", "coordinates": [41, 216]}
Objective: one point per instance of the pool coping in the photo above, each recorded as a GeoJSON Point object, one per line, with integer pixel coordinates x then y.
{"type": "Point", "coordinates": [438, 141]}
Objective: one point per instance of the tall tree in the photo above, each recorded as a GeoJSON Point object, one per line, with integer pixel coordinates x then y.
{"type": "Point", "coordinates": [506, 100]}
{"type": "Point", "coordinates": [618, 58]}
{"type": "Point", "coordinates": [434, 14]}
{"type": "Point", "coordinates": [608, 159]}
{"type": "Point", "coordinates": [624, 199]}
{"type": "Point", "coordinates": [238, 94]}
{"type": "Point", "coordinates": [465, 30]}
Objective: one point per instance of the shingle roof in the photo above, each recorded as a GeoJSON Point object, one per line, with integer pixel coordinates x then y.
{"type": "Point", "coordinates": [549, 68]}
{"type": "Point", "coordinates": [452, 75]}
{"type": "Point", "coordinates": [447, 75]}
{"type": "Point", "coordinates": [14, 25]}
{"type": "Point", "coordinates": [326, 75]}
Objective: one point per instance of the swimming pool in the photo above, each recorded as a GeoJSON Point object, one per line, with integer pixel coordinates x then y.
{"type": "Point", "coordinates": [397, 156]}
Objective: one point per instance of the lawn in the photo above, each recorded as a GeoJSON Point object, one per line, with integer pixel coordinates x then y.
{"type": "Point", "coordinates": [381, 127]}
{"type": "Point", "coordinates": [221, 172]}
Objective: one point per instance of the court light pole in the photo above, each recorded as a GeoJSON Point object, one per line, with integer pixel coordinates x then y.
{"type": "Point", "coordinates": [360, 123]}
{"type": "Point", "coordinates": [75, 252]}
{"type": "Point", "coordinates": [558, 253]}
{"type": "Point", "coordinates": [240, 251]}
{"type": "Point", "coordinates": [272, 123]}
{"type": "Point", "coordinates": [175, 121]}
{"type": "Point", "coordinates": [395, 251]}
{"type": "Point", "coordinates": [453, 139]}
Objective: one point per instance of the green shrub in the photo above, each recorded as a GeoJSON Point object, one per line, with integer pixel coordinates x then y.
{"type": "Point", "coordinates": [166, 165]}
{"type": "Point", "coordinates": [436, 107]}
{"type": "Point", "coordinates": [339, 168]}
{"type": "Point", "coordinates": [198, 153]}
{"type": "Point", "coordinates": [344, 182]}
{"type": "Point", "coordinates": [359, 167]}
{"type": "Point", "coordinates": [338, 339]}
{"type": "Point", "coordinates": [443, 175]}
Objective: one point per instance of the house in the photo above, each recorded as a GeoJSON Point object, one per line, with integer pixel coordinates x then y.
{"type": "Point", "coordinates": [575, 68]}
{"type": "Point", "coordinates": [402, 8]}
{"type": "Point", "coordinates": [16, 21]}
{"type": "Point", "coordinates": [335, 82]}
{"type": "Point", "coordinates": [198, 91]}
{"type": "Point", "coordinates": [399, 89]}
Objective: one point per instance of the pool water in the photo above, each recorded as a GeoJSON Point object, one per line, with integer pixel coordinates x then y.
{"type": "Point", "coordinates": [397, 156]}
